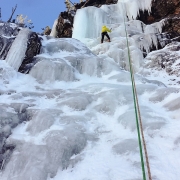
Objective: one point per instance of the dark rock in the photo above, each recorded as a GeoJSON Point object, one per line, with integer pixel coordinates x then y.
{"type": "Point", "coordinates": [33, 48]}
{"type": "Point", "coordinates": [172, 27]}
{"type": "Point", "coordinates": [64, 25]}
{"type": "Point", "coordinates": [47, 30]}
{"type": "Point", "coordinates": [168, 10]}
{"type": "Point", "coordinates": [160, 9]}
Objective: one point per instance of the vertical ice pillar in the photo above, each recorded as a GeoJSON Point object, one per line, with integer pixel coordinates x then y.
{"type": "Point", "coordinates": [88, 22]}
{"type": "Point", "coordinates": [17, 51]}
{"type": "Point", "coordinates": [53, 31]}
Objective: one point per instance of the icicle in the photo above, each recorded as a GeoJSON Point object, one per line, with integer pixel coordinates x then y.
{"type": "Point", "coordinates": [54, 32]}
{"type": "Point", "coordinates": [17, 51]}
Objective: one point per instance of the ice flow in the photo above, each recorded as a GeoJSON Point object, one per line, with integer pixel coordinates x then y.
{"type": "Point", "coordinates": [72, 117]}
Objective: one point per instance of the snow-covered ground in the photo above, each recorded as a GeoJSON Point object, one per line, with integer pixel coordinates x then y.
{"type": "Point", "coordinates": [72, 117]}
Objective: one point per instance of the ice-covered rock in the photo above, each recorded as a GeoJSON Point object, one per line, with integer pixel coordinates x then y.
{"type": "Point", "coordinates": [167, 58]}
{"type": "Point", "coordinates": [126, 146]}
{"type": "Point", "coordinates": [173, 104]}
{"type": "Point", "coordinates": [11, 116]}
{"type": "Point", "coordinates": [55, 150]}
{"type": "Point", "coordinates": [8, 32]}
{"type": "Point", "coordinates": [161, 94]}
{"type": "Point", "coordinates": [79, 102]}
{"type": "Point", "coordinates": [43, 121]}
{"type": "Point", "coordinates": [150, 121]}
{"type": "Point", "coordinates": [8, 29]}
{"type": "Point", "coordinates": [55, 69]}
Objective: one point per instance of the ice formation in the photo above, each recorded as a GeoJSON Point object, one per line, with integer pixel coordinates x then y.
{"type": "Point", "coordinates": [114, 16]}
{"type": "Point", "coordinates": [72, 117]}
{"type": "Point", "coordinates": [53, 31]}
{"type": "Point", "coordinates": [15, 57]}
{"type": "Point", "coordinates": [140, 36]}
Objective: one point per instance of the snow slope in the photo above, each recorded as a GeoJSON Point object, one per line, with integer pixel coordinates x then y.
{"type": "Point", "coordinates": [72, 117]}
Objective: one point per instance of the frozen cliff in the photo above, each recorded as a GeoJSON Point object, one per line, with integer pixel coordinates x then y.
{"type": "Point", "coordinates": [72, 117]}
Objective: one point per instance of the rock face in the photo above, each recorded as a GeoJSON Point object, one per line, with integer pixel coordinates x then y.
{"type": "Point", "coordinates": [33, 48]}
{"type": "Point", "coordinates": [65, 24]}
{"type": "Point", "coordinates": [172, 27]}
{"type": "Point", "coordinates": [160, 9]}
{"type": "Point", "coordinates": [168, 10]}
{"type": "Point", "coordinates": [166, 58]}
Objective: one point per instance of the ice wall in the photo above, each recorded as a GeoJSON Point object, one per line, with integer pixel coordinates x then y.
{"type": "Point", "coordinates": [142, 38]}
{"type": "Point", "coordinates": [88, 21]}
{"type": "Point", "coordinates": [17, 51]}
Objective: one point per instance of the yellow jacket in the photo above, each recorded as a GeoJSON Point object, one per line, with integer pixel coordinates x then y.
{"type": "Point", "coordinates": [105, 29]}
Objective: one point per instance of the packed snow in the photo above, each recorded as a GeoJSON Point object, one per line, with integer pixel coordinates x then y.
{"type": "Point", "coordinates": [72, 117]}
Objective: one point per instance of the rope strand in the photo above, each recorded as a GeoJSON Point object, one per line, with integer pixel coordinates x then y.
{"type": "Point", "coordinates": [137, 112]}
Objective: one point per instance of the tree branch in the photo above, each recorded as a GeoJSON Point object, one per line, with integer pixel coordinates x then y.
{"type": "Point", "coordinates": [13, 10]}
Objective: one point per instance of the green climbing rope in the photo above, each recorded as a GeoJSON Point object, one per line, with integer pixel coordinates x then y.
{"type": "Point", "coordinates": [135, 105]}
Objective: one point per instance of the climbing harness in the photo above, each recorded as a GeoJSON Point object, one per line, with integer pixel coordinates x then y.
{"type": "Point", "coordinates": [138, 115]}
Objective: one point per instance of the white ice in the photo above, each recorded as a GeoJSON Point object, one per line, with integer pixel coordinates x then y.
{"type": "Point", "coordinates": [72, 117]}
{"type": "Point", "coordinates": [15, 57]}
{"type": "Point", "coordinates": [53, 31]}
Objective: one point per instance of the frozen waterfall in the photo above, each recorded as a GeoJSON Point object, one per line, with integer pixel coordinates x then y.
{"type": "Point", "coordinates": [72, 117]}
{"type": "Point", "coordinates": [88, 22]}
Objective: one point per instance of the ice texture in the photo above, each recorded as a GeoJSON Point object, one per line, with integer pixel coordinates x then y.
{"type": "Point", "coordinates": [126, 146]}
{"type": "Point", "coordinates": [53, 31]}
{"type": "Point", "coordinates": [43, 121]}
{"type": "Point", "coordinates": [17, 51]}
{"type": "Point", "coordinates": [114, 16]}
{"type": "Point", "coordinates": [166, 58]}
{"type": "Point", "coordinates": [55, 69]}
{"type": "Point", "coordinates": [150, 121]}
{"type": "Point", "coordinates": [73, 117]}
{"type": "Point", "coordinates": [56, 148]}
{"type": "Point", "coordinates": [173, 104]}
{"type": "Point", "coordinates": [79, 102]}
{"type": "Point", "coordinates": [96, 20]}
{"type": "Point", "coordinates": [141, 37]}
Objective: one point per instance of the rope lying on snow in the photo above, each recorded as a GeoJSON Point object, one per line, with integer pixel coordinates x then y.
{"type": "Point", "coordinates": [138, 116]}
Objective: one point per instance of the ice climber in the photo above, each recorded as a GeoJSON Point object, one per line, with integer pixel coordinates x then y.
{"type": "Point", "coordinates": [104, 33]}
